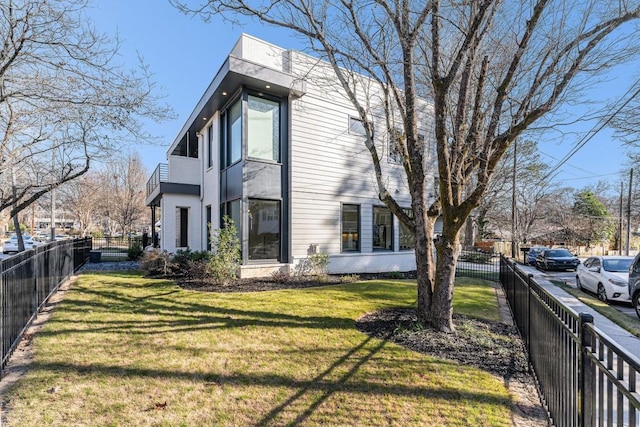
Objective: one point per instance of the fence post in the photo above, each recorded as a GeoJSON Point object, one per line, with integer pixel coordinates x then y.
{"type": "Point", "coordinates": [529, 278]}
{"type": "Point", "coordinates": [586, 374]}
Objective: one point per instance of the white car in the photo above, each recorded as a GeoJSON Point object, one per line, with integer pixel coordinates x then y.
{"type": "Point", "coordinates": [11, 245]}
{"type": "Point", "coordinates": [607, 276]}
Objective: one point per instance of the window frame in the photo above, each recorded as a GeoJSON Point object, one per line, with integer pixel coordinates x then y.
{"type": "Point", "coordinates": [354, 130]}
{"type": "Point", "coordinates": [276, 101]}
{"type": "Point", "coordinates": [249, 232]}
{"type": "Point", "coordinates": [373, 225]}
{"type": "Point", "coordinates": [210, 145]}
{"type": "Point", "coordinates": [409, 212]}
{"type": "Point", "coordinates": [358, 248]}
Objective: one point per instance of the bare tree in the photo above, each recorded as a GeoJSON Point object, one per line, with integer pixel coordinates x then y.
{"type": "Point", "coordinates": [490, 69]}
{"type": "Point", "coordinates": [534, 194]}
{"type": "Point", "coordinates": [124, 180]}
{"type": "Point", "coordinates": [81, 198]}
{"type": "Point", "coordinates": [64, 98]}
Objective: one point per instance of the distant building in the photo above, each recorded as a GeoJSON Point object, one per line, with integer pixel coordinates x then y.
{"type": "Point", "coordinates": [275, 144]}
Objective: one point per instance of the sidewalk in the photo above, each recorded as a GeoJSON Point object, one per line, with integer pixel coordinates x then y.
{"type": "Point", "coordinates": [629, 342]}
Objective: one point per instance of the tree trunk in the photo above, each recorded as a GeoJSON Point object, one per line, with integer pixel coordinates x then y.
{"type": "Point", "coordinates": [435, 285]}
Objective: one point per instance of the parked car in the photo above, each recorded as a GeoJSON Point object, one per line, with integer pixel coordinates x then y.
{"type": "Point", "coordinates": [634, 284]}
{"type": "Point", "coordinates": [533, 252]}
{"type": "Point", "coordinates": [607, 276]}
{"type": "Point", "coordinates": [11, 245]}
{"type": "Point", "coordinates": [557, 259]}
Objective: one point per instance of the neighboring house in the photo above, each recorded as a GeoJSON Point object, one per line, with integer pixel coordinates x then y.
{"type": "Point", "coordinates": [274, 144]}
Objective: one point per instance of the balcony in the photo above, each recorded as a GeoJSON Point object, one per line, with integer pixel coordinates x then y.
{"type": "Point", "coordinates": [158, 185]}
{"type": "Point", "coordinates": [160, 174]}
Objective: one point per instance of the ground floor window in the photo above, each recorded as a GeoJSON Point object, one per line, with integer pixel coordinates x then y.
{"type": "Point", "coordinates": [407, 236]}
{"type": "Point", "coordinates": [382, 229]}
{"type": "Point", "coordinates": [350, 228]}
{"type": "Point", "coordinates": [207, 226]}
{"type": "Point", "coordinates": [233, 211]}
{"type": "Point", "coordinates": [182, 227]}
{"type": "Point", "coordinates": [264, 229]}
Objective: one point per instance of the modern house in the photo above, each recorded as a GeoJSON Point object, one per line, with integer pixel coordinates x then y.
{"type": "Point", "coordinates": [276, 145]}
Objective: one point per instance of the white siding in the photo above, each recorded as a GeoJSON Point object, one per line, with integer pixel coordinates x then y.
{"type": "Point", "coordinates": [185, 170]}
{"type": "Point", "coordinates": [168, 229]}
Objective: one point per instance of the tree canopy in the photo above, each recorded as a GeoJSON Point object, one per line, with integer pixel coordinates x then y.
{"type": "Point", "coordinates": [64, 98]}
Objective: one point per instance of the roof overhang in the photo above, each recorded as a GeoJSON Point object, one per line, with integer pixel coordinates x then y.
{"type": "Point", "coordinates": [235, 73]}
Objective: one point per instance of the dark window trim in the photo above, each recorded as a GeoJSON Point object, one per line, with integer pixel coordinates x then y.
{"type": "Point", "coordinates": [359, 244]}
{"type": "Point", "coordinates": [281, 123]}
{"type": "Point", "coordinates": [373, 216]}
{"type": "Point", "coordinates": [248, 233]}
{"type": "Point", "coordinates": [409, 212]}
{"type": "Point", "coordinates": [210, 146]}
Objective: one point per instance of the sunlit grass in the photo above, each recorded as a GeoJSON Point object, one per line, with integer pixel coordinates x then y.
{"type": "Point", "coordinates": [127, 351]}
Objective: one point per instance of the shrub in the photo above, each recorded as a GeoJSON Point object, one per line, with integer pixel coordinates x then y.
{"type": "Point", "coordinates": [315, 265]}
{"type": "Point", "coordinates": [349, 278]}
{"type": "Point", "coordinates": [280, 277]}
{"type": "Point", "coordinates": [395, 275]}
{"type": "Point", "coordinates": [225, 259]}
{"type": "Point", "coordinates": [134, 252]}
{"type": "Point", "coordinates": [156, 262]}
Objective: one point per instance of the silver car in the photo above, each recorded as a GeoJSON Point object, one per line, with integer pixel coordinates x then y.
{"type": "Point", "coordinates": [606, 276]}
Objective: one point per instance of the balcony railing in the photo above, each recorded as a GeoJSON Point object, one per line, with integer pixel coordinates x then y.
{"type": "Point", "coordinates": [160, 174]}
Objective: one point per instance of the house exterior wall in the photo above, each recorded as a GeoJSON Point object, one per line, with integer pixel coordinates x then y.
{"type": "Point", "coordinates": [330, 167]}
{"type": "Point", "coordinates": [327, 166]}
{"type": "Point", "coordinates": [169, 230]}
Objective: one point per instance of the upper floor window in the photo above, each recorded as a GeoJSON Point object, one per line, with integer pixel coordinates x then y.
{"type": "Point", "coordinates": [263, 129]}
{"type": "Point", "coordinates": [231, 135]}
{"type": "Point", "coordinates": [210, 146]}
{"type": "Point", "coordinates": [396, 137]}
{"type": "Point", "coordinates": [356, 127]}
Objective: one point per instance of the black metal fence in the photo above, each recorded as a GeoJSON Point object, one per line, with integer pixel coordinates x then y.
{"type": "Point", "coordinates": [119, 246]}
{"type": "Point", "coordinates": [478, 264]}
{"type": "Point", "coordinates": [28, 279]}
{"type": "Point", "coordinates": [584, 377]}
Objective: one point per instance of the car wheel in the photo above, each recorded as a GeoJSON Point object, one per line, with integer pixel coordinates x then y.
{"type": "Point", "coordinates": [602, 294]}
{"type": "Point", "coordinates": [578, 283]}
{"type": "Point", "coordinates": [636, 303]}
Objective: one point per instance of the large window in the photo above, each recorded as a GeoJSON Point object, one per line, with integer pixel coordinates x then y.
{"type": "Point", "coordinates": [382, 229]}
{"type": "Point", "coordinates": [182, 227]}
{"type": "Point", "coordinates": [263, 129]}
{"type": "Point", "coordinates": [350, 228]}
{"type": "Point", "coordinates": [210, 146]}
{"type": "Point", "coordinates": [231, 135]}
{"type": "Point", "coordinates": [264, 230]}
{"type": "Point", "coordinates": [208, 227]}
{"type": "Point", "coordinates": [232, 210]}
{"type": "Point", "coordinates": [407, 237]}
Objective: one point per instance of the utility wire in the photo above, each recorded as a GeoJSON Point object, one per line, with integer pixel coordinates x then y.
{"type": "Point", "coordinates": [597, 128]}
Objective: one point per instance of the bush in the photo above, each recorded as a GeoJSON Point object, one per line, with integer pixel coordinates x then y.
{"type": "Point", "coordinates": [394, 275]}
{"type": "Point", "coordinates": [349, 278]}
{"type": "Point", "coordinates": [225, 259]}
{"type": "Point", "coordinates": [134, 252]}
{"type": "Point", "coordinates": [280, 277]}
{"type": "Point", "coordinates": [156, 262]}
{"type": "Point", "coordinates": [314, 265]}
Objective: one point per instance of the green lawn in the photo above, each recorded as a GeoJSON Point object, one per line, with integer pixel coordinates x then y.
{"type": "Point", "coordinates": [122, 350]}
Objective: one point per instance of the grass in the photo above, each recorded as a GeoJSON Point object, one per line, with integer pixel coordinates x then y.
{"type": "Point", "coordinates": [630, 324]}
{"type": "Point", "coordinates": [122, 350]}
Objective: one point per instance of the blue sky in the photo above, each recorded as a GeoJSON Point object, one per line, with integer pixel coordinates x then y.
{"type": "Point", "coordinates": [184, 54]}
